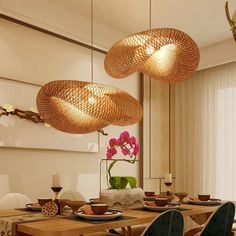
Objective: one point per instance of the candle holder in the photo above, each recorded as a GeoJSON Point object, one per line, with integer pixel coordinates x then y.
{"type": "Point", "coordinates": [56, 191]}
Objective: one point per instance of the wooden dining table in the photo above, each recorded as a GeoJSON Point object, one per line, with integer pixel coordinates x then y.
{"type": "Point", "coordinates": [59, 226]}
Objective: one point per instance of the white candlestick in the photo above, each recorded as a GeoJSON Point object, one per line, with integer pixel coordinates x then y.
{"type": "Point", "coordinates": [56, 180]}
{"type": "Point", "coordinates": [168, 178]}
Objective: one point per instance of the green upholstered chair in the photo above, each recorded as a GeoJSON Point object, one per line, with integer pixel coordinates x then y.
{"type": "Point", "coordinates": [219, 224]}
{"type": "Point", "coordinates": [169, 223]}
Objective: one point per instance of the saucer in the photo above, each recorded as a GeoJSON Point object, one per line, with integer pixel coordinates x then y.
{"type": "Point", "coordinates": [109, 215]}
{"type": "Point", "coordinates": [210, 202]}
{"type": "Point", "coordinates": [33, 206]}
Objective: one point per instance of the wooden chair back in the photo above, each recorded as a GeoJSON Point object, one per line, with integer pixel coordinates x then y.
{"type": "Point", "coordinates": [220, 223]}
{"type": "Point", "coordinates": [168, 223]}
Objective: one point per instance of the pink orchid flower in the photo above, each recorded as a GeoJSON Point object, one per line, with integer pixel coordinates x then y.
{"type": "Point", "coordinates": [119, 142]}
{"type": "Point", "coordinates": [112, 151]}
{"type": "Point", "coordinates": [124, 136]}
{"type": "Point", "coordinates": [132, 141]}
{"type": "Point", "coordinates": [125, 151]}
{"type": "Point", "coordinates": [112, 142]}
{"type": "Point", "coordinates": [136, 149]}
{"type": "Point", "coordinates": [109, 156]}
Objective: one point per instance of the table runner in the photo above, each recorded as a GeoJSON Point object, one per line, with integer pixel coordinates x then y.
{"type": "Point", "coordinates": [8, 224]}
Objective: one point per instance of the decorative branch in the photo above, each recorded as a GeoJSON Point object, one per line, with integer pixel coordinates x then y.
{"type": "Point", "coordinates": [230, 20]}
{"type": "Point", "coordinates": [8, 109]}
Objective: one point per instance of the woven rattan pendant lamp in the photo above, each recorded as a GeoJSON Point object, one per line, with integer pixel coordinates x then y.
{"type": "Point", "coordinates": [84, 107]}
{"type": "Point", "coordinates": [165, 54]}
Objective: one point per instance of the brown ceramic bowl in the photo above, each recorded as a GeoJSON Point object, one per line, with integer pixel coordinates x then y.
{"type": "Point", "coordinates": [62, 202]}
{"type": "Point", "coordinates": [75, 205]}
{"type": "Point", "coordinates": [149, 194]}
{"type": "Point", "coordinates": [161, 201]}
{"type": "Point", "coordinates": [99, 209]}
{"type": "Point", "coordinates": [204, 197]}
{"type": "Point", "coordinates": [42, 201]}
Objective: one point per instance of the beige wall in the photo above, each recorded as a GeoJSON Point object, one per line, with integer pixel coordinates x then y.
{"type": "Point", "coordinates": [156, 134]}
{"type": "Point", "coordinates": [217, 54]}
{"type": "Point", "coordinates": [38, 58]}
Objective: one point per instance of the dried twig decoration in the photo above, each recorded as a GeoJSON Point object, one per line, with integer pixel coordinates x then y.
{"type": "Point", "coordinates": [232, 21]}
{"type": "Point", "coordinates": [28, 115]}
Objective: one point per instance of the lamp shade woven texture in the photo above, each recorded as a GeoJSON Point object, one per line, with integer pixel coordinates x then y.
{"type": "Point", "coordinates": [165, 54]}
{"type": "Point", "coordinates": [83, 107]}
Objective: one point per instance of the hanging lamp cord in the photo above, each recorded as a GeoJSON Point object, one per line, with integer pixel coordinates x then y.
{"type": "Point", "coordinates": [91, 40]}
{"type": "Point", "coordinates": [150, 14]}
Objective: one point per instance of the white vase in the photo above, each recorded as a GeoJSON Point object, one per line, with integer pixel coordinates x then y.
{"type": "Point", "coordinates": [127, 198]}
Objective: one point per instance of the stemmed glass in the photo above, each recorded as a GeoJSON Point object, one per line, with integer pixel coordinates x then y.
{"type": "Point", "coordinates": [56, 191]}
{"type": "Point", "coordinates": [168, 182]}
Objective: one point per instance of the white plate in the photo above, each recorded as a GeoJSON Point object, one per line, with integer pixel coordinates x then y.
{"type": "Point", "coordinates": [210, 202]}
{"type": "Point", "coordinates": [109, 215]}
{"type": "Point", "coordinates": [33, 207]}
{"type": "Point", "coordinates": [160, 209]}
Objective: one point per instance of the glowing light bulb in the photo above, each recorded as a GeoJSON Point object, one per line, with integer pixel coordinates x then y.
{"type": "Point", "coordinates": [150, 50]}
{"type": "Point", "coordinates": [92, 100]}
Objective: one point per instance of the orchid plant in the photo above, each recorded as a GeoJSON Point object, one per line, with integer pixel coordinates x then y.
{"type": "Point", "coordinates": [129, 147]}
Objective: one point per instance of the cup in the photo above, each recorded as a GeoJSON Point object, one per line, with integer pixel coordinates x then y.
{"type": "Point", "coordinates": [99, 209]}
{"type": "Point", "coordinates": [42, 201]}
{"type": "Point", "coordinates": [149, 194]}
{"type": "Point", "coordinates": [204, 197]}
{"type": "Point", "coordinates": [161, 201]}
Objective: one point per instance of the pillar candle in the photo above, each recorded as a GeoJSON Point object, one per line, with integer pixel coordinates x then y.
{"type": "Point", "coordinates": [56, 180]}
{"type": "Point", "coordinates": [168, 178]}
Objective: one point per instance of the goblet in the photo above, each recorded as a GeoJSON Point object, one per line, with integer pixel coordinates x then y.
{"type": "Point", "coordinates": [57, 190]}
{"type": "Point", "coordinates": [75, 205]}
{"type": "Point", "coordinates": [181, 196]}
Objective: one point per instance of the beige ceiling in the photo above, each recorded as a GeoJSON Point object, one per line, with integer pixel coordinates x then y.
{"type": "Point", "coordinates": [203, 20]}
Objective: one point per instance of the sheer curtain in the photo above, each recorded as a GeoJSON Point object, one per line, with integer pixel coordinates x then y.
{"type": "Point", "coordinates": [204, 132]}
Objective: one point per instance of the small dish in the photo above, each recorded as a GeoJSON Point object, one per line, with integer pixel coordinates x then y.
{"type": "Point", "coordinates": [210, 202]}
{"type": "Point", "coordinates": [109, 215]}
{"type": "Point", "coordinates": [33, 206]}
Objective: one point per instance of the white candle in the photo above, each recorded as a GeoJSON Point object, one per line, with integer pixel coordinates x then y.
{"type": "Point", "coordinates": [56, 180]}
{"type": "Point", "coordinates": [168, 178]}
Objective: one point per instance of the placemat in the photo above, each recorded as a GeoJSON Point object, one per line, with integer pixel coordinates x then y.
{"type": "Point", "coordinates": [145, 209]}
{"type": "Point", "coordinates": [77, 218]}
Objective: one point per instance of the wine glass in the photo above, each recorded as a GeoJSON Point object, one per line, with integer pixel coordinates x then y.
{"type": "Point", "coordinates": [168, 182]}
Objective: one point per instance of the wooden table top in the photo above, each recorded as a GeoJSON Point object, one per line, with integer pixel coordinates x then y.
{"type": "Point", "coordinates": [67, 227]}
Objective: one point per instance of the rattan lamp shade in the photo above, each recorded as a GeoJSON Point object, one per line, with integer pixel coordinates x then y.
{"type": "Point", "coordinates": [83, 107]}
{"type": "Point", "coordinates": [165, 54]}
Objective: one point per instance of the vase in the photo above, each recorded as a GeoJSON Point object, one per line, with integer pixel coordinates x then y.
{"type": "Point", "coordinates": [120, 182]}
{"type": "Point", "coordinates": [122, 198]}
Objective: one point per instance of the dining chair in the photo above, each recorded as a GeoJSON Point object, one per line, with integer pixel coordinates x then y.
{"type": "Point", "coordinates": [169, 223]}
{"type": "Point", "coordinates": [219, 224]}
{"type": "Point", "coordinates": [14, 200]}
